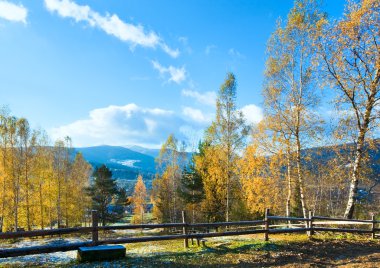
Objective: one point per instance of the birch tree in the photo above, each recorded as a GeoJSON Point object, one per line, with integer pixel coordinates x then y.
{"type": "Point", "coordinates": [290, 83]}
{"type": "Point", "coordinates": [350, 51]}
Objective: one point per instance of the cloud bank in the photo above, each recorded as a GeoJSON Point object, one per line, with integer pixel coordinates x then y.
{"type": "Point", "coordinates": [148, 127]}
{"type": "Point", "coordinates": [122, 125]}
{"type": "Point", "coordinates": [13, 12]}
{"type": "Point", "coordinates": [135, 35]}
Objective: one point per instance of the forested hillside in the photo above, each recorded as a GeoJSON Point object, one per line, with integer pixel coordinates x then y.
{"type": "Point", "coordinates": [298, 158]}
{"type": "Point", "coordinates": [239, 170]}
{"type": "Point", "coordinates": [41, 184]}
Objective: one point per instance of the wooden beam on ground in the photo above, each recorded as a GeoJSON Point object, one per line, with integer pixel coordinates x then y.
{"type": "Point", "coordinates": [101, 253]}
{"type": "Point", "coordinates": [341, 230]}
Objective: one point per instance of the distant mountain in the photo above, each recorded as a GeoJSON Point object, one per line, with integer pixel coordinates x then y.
{"type": "Point", "coordinates": [127, 163]}
{"type": "Point", "coordinates": [152, 152]}
{"type": "Point", "coordinates": [119, 157]}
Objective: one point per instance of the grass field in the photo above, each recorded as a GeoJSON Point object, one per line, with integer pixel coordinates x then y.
{"type": "Point", "coordinates": [244, 251]}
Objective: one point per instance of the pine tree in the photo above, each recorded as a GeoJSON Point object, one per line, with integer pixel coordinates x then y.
{"type": "Point", "coordinates": [102, 192]}
{"type": "Point", "coordinates": [191, 186]}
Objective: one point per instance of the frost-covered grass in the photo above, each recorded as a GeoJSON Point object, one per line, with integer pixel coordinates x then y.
{"type": "Point", "coordinates": [242, 251]}
{"type": "Point", "coordinates": [39, 259]}
{"type": "Point", "coordinates": [148, 254]}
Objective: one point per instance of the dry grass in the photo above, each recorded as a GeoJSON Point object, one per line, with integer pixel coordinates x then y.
{"type": "Point", "coordinates": [248, 251]}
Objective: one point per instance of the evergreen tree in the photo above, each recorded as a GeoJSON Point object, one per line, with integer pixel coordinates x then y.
{"type": "Point", "coordinates": [102, 192]}
{"type": "Point", "coordinates": [191, 187]}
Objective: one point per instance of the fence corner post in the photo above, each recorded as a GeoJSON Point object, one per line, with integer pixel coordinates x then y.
{"type": "Point", "coordinates": [185, 240]}
{"type": "Point", "coordinates": [266, 234]}
{"type": "Point", "coordinates": [95, 220]}
{"type": "Point", "coordinates": [373, 225]}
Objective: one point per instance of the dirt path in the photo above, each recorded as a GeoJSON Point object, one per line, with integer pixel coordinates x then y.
{"type": "Point", "coordinates": [321, 253]}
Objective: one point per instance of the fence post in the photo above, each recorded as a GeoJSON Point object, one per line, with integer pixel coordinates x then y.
{"type": "Point", "coordinates": [373, 226]}
{"type": "Point", "coordinates": [310, 232]}
{"type": "Point", "coordinates": [95, 220]}
{"type": "Point", "coordinates": [266, 234]}
{"type": "Point", "coordinates": [185, 241]}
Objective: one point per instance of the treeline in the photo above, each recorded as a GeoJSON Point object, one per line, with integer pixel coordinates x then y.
{"type": "Point", "coordinates": [41, 186]}
{"type": "Point", "coordinates": [238, 170]}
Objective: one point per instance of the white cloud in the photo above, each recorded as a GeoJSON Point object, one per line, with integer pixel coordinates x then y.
{"type": "Point", "coordinates": [13, 12]}
{"type": "Point", "coordinates": [172, 52]}
{"type": "Point", "coordinates": [120, 125]}
{"type": "Point", "coordinates": [111, 24]}
{"type": "Point", "coordinates": [196, 116]}
{"type": "Point", "coordinates": [176, 75]}
{"type": "Point", "coordinates": [252, 113]}
{"type": "Point", "coordinates": [207, 98]}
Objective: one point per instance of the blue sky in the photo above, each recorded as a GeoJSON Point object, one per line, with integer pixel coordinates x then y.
{"type": "Point", "coordinates": [125, 72]}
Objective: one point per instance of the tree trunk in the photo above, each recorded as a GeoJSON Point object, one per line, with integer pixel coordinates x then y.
{"type": "Point", "coordinates": [27, 190]}
{"type": "Point", "coordinates": [349, 213]}
{"type": "Point", "coordinates": [59, 203]}
{"type": "Point", "coordinates": [300, 178]}
{"type": "Point", "coordinates": [359, 147]}
{"type": "Point", "coordinates": [228, 198]}
{"type": "Point", "coordinates": [15, 200]}
{"type": "Point", "coordinates": [289, 185]}
{"type": "Point", "coordinates": [3, 197]}
{"type": "Point", "coordinates": [66, 208]}
{"type": "Point", "coordinates": [354, 179]}
{"type": "Point", "coordinates": [41, 207]}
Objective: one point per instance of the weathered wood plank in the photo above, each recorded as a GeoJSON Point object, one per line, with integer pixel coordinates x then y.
{"type": "Point", "coordinates": [141, 226]}
{"type": "Point", "coordinates": [339, 219]}
{"type": "Point", "coordinates": [100, 253]}
{"type": "Point", "coordinates": [288, 230]}
{"type": "Point", "coordinates": [287, 218]}
{"type": "Point", "coordinates": [217, 224]}
{"type": "Point", "coordinates": [342, 230]}
{"type": "Point", "coordinates": [62, 231]}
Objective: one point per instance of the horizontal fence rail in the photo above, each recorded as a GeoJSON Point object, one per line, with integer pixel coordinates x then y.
{"type": "Point", "coordinates": [343, 220]}
{"type": "Point", "coordinates": [287, 218]}
{"type": "Point", "coordinates": [12, 235]}
{"type": "Point", "coordinates": [265, 226]}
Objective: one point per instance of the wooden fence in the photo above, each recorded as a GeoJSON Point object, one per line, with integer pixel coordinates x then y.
{"type": "Point", "coordinates": [309, 225]}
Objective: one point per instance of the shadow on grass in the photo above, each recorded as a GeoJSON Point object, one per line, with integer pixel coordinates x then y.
{"type": "Point", "coordinates": [216, 255]}
{"type": "Point", "coordinates": [315, 253]}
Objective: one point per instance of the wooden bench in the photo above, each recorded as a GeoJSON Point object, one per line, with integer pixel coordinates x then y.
{"type": "Point", "coordinates": [100, 253]}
